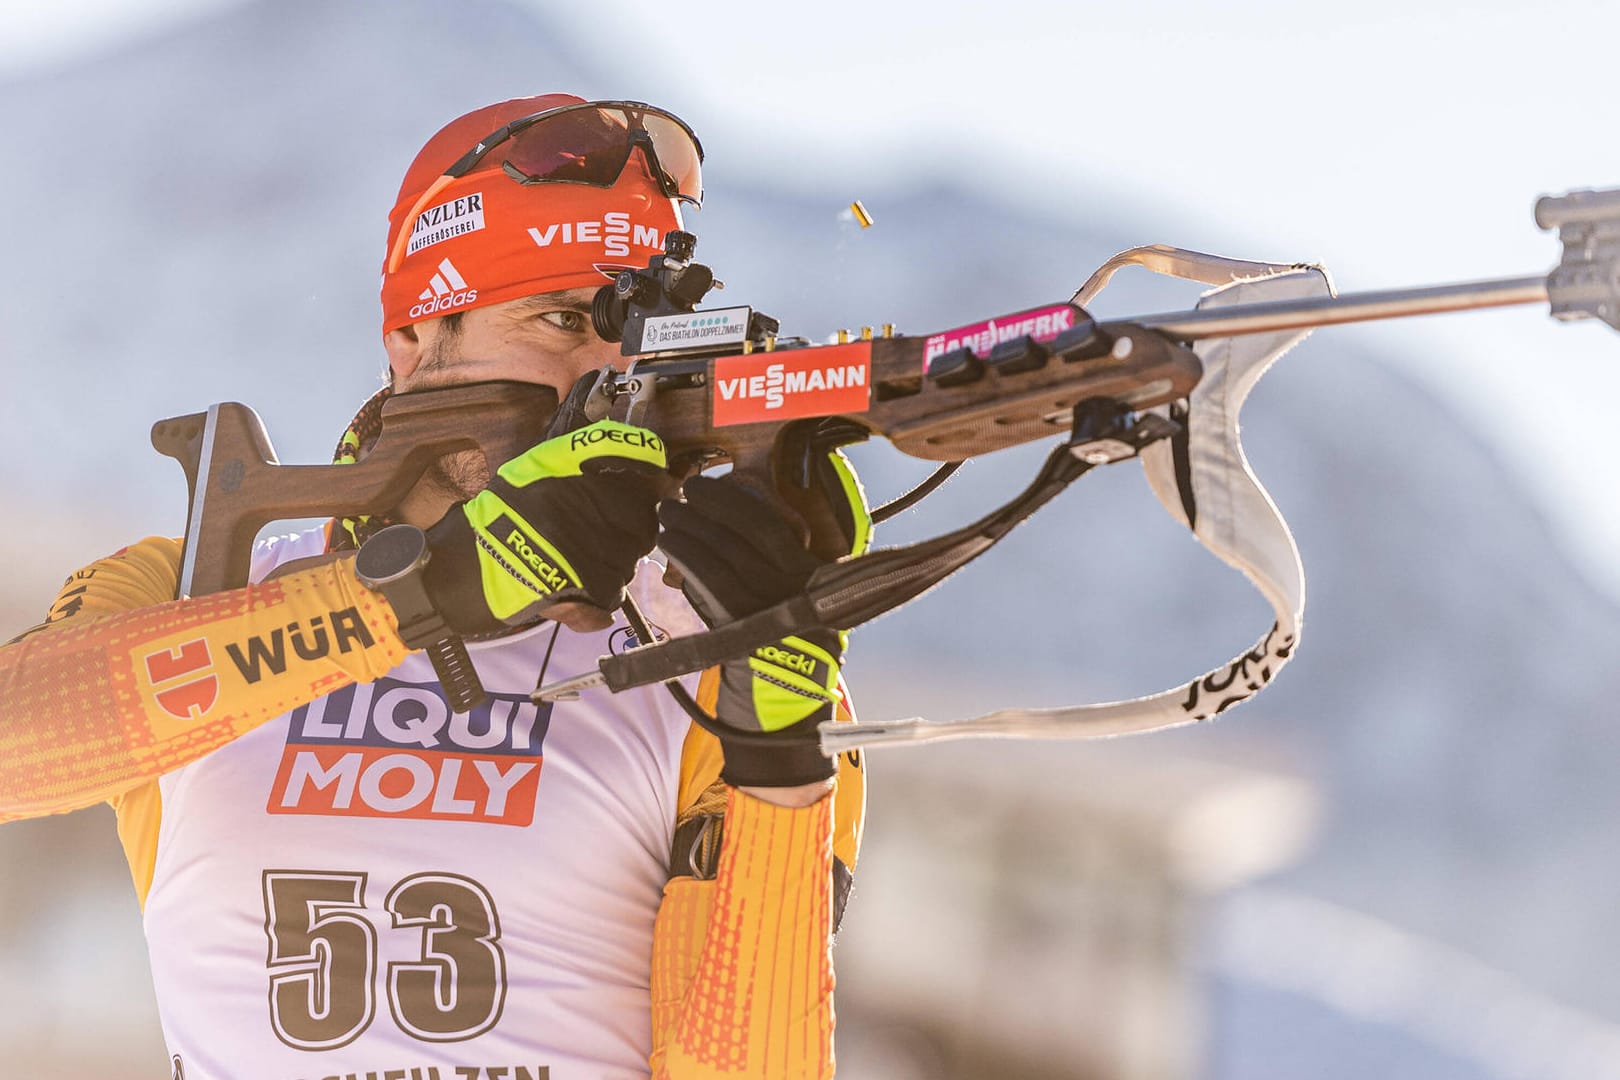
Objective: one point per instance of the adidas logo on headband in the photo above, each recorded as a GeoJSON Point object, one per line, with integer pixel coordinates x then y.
{"type": "Point", "coordinates": [446, 291]}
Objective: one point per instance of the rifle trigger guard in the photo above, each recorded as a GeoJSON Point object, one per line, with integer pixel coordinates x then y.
{"type": "Point", "coordinates": [599, 401]}
{"type": "Point", "coordinates": [642, 388]}
{"type": "Point", "coordinates": [1106, 431]}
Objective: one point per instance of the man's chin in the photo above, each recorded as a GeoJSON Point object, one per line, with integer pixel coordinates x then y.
{"type": "Point", "coordinates": [460, 476]}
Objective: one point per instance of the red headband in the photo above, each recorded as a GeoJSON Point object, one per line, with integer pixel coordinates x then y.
{"type": "Point", "coordinates": [484, 238]}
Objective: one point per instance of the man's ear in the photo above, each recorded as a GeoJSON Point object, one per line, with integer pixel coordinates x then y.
{"type": "Point", "coordinates": [405, 348]}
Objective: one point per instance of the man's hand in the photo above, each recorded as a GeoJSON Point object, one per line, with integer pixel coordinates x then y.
{"type": "Point", "coordinates": [557, 533]}
{"type": "Point", "coordinates": [738, 556]}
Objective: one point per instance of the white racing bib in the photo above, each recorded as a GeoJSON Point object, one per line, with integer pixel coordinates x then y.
{"type": "Point", "coordinates": [372, 885]}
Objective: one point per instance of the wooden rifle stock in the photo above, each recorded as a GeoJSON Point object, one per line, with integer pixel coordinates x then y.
{"type": "Point", "coordinates": [973, 403]}
{"type": "Point", "coordinates": [237, 486]}
{"type": "Point", "coordinates": [1021, 391]}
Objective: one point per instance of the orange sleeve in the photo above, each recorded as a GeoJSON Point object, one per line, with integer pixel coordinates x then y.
{"type": "Point", "coordinates": [742, 974]}
{"type": "Point", "coordinates": [125, 684]}
{"type": "Point", "coordinates": [742, 965]}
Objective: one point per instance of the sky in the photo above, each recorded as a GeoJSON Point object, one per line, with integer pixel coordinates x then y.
{"type": "Point", "coordinates": [1398, 142]}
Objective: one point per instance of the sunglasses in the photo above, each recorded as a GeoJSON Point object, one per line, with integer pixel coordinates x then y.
{"type": "Point", "coordinates": [589, 142]}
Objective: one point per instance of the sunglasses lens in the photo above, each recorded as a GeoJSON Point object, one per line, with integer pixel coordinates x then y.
{"type": "Point", "coordinates": [582, 146]}
{"type": "Point", "coordinates": [591, 146]}
{"type": "Point", "coordinates": [678, 157]}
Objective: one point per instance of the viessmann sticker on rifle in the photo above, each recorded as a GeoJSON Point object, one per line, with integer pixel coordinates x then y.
{"type": "Point", "coordinates": [1042, 324]}
{"type": "Point", "coordinates": [723, 326]}
{"type": "Point", "coordinates": [793, 383]}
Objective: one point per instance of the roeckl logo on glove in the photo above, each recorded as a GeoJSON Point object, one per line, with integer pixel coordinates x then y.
{"type": "Point", "coordinates": [516, 544]}
{"type": "Point", "coordinates": [590, 436]}
{"type": "Point", "coordinates": [793, 660]}
{"type": "Point", "coordinates": [394, 749]}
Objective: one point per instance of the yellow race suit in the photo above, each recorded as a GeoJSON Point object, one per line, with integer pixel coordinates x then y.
{"type": "Point", "coordinates": [340, 878]}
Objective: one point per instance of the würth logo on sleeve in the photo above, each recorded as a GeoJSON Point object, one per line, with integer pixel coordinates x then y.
{"type": "Point", "coordinates": [182, 679]}
{"type": "Point", "coordinates": [268, 653]}
{"type": "Point", "coordinates": [792, 383]}
{"type": "Point", "coordinates": [393, 749]}
{"type": "Point", "coordinates": [446, 291]}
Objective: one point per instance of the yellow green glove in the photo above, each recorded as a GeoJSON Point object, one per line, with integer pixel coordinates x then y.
{"type": "Point", "coordinates": [564, 522]}
{"type": "Point", "coordinates": [737, 556]}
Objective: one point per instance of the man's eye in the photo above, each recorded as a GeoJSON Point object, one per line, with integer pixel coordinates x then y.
{"type": "Point", "coordinates": [571, 321]}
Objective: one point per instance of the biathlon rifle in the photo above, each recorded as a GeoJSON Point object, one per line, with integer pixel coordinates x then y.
{"type": "Point", "coordinates": [720, 386]}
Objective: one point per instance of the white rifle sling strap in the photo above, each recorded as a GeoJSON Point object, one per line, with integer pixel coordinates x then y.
{"type": "Point", "coordinates": [1231, 515]}
{"type": "Point", "coordinates": [1234, 516]}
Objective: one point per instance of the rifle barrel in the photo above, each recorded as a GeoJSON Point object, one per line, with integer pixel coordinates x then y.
{"type": "Point", "coordinates": [1351, 307]}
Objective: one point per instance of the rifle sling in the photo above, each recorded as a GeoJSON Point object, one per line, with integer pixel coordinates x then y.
{"type": "Point", "coordinates": [845, 594]}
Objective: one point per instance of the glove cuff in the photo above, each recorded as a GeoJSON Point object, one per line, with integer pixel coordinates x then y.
{"type": "Point", "coordinates": [792, 758]}
{"type": "Point", "coordinates": [452, 576]}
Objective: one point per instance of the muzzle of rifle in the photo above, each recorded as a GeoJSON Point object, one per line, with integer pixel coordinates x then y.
{"type": "Point", "coordinates": [1586, 282]}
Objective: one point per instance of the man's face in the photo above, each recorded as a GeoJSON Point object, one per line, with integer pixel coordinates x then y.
{"type": "Point", "coordinates": [545, 339]}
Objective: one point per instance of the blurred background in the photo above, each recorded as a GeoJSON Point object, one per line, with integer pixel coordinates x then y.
{"type": "Point", "coordinates": [1399, 861]}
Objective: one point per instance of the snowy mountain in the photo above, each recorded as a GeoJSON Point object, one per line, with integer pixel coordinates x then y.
{"type": "Point", "coordinates": [202, 219]}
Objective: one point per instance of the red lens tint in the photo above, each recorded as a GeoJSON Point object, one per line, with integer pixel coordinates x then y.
{"type": "Point", "coordinates": [678, 156]}
{"type": "Point", "coordinates": [591, 146]}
